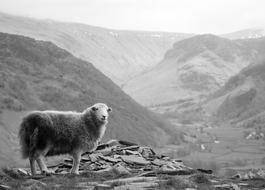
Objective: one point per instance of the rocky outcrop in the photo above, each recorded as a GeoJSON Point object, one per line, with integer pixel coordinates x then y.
{"type": "Point", "coordinates": [125, 165]}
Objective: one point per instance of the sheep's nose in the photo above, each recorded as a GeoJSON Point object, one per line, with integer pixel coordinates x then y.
{"type": "Point", "coordinates": [103, 117]}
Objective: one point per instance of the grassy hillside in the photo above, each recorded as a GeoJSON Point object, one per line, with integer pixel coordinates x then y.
{"type": "Point", "coordinates": [39, 75]}
{"type": "Point", "coordinates": [242, 97]}
{"type": "Point", "coordinates": [120, 55]}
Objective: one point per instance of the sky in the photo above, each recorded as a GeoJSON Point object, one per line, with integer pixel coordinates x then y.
{"type": "Point", "coordinates": [189, 16]}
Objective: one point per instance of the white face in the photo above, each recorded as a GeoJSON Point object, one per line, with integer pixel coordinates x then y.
{"type": "Point", "coordinates": [101, 111]}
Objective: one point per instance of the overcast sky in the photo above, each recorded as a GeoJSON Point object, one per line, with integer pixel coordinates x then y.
{"type": "Point", "coordinates": [191, 16]}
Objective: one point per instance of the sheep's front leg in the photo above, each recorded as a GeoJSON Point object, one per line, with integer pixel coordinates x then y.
{"type": "Point", "coordinates": [76, 162]}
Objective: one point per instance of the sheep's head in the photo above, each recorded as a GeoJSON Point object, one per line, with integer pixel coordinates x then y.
{"type": "Point", "coordinates": [101, 112]}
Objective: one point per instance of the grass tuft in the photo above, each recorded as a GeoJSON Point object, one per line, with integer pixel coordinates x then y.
{"type": "Point", "coordinates": [175, 183]}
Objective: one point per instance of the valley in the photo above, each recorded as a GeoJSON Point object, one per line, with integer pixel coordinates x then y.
{"type": "Point", "coordinates": [206, 91]}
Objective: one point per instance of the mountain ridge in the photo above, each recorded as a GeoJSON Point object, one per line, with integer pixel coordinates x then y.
{"type": "Point", "coordinates": [248, 33]}
{"type": "Point", "coordinates": [119, 54]}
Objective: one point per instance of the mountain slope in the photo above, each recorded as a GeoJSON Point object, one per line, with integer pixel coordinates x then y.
{"type": "Point", "coordinates": [242, 97]}
{"type": "Point", "coordinates": [39, 75]}
{"type": "Point", "coordinates": [246, 34]}
{"type": "Point", "coordinates": [192, 69]}
{"type": "Point", "coordinates": [118, 54]}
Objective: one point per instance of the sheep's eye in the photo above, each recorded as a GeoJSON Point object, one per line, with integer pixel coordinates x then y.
{"type": "Point", "coordinates": [109, 110]}
{"type": "Point", "coordinates": [94, 108]}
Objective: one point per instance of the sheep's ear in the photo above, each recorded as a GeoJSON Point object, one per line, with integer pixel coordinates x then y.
{"type": "Point", "coordinates": [109, 109]}
{"type": "Point", "coordinates": [94, 108]}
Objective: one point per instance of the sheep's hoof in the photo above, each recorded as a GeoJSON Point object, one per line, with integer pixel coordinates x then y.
{"type": "Point", "coordinates": [47, 172]}
{"type": "Point", "coordinates": [75, 172]}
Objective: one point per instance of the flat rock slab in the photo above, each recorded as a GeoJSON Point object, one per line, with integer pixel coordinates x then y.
{"type": "Point", "coordinates": [133, 159]}
{"type": "Point", "coordinates": [132, 148]}
{"type": "Point", "coordinates": [130, 152]}
{"type": "Point", "coordinates": [110, 159]}
{"type": "Point", "coordinates": [106, 151]}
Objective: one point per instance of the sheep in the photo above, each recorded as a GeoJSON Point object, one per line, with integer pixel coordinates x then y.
{"type": "Point", "coordinates": [49, 133]}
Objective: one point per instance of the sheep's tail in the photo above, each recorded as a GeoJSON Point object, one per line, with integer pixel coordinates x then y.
{"type": "Point", "coordinates": [27, 139]}
{"type": "Point", "coordinates": [24, 140]}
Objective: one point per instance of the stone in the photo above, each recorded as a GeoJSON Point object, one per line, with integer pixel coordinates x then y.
{"type": "Point", "coordinates": [178, 165]}
{"type": "Point", "coordinates": [249, 175]}
{"type": "Point", "coordinates": [205, 171]}
{"type": "Point", "coordinates": [113, 142]}
{"type": "Point", "coordinates": [177, 161]}
{"type": "Point", "coordinates": [159, 162]}
{"type": "Point", "coordinates": [242, 184]}
{"type": "Point", "coordinates": [64, 172]}
{"type": "Point", "coordinates": [132, 159]}
{"type": "Point", "coordinates": [126, 143]}
{"type": "Point", "coordinates": [102, 146]}
{"type": "Point", "coordinates": [165, 157]}
{"type": "Point", "coordinates": [230, 186]}
{"type": "Point", "coordinates": [130, 152]}
{"type": "Point", "coordinates": [22, 171]}
{"type": "Point", "coordinates": [168, 167]}
{"type": "Point", "coordinates": [261, 173]}
{"type": "Point", "coordinates": [53, 169]}
{"type": "Point", "coordinates": [100, 171]}
{"type": "Point", "coordinates": [147, 152]}
{"type": "Point", "coordinates": [68, 160]}
{"type": "Point", "coordinates": [85, 159]}
{"type": "Point", "coordinates": [106, 151]}
{"type": "Point", "coordinates": [65, 165]}
{"type": "Point", "coordinates": [110, 159]}
{"type": "Point", "coordinates": [3, 187]}
{"type": "Point", "coordinates": [235, 187]}
{"type": "Point", "coordinates": [133, 148]}
{"type": "Point", "coordinates": [236, 176]}
{"type": "Point", "coordinates": [94, 157]}
{"type": "Point", "coordinates": [90, 166]}
{"type": "Point", "coordinates": [120, 169]}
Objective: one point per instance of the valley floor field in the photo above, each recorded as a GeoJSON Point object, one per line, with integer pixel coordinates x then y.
{"type": "Point", "coordinates": [219, 148]}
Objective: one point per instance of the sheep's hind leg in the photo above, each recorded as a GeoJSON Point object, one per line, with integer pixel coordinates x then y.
{"type": "Point", "coordinates": [76, 162]}
{"type": "Point", "coordinates": [32, 166]}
